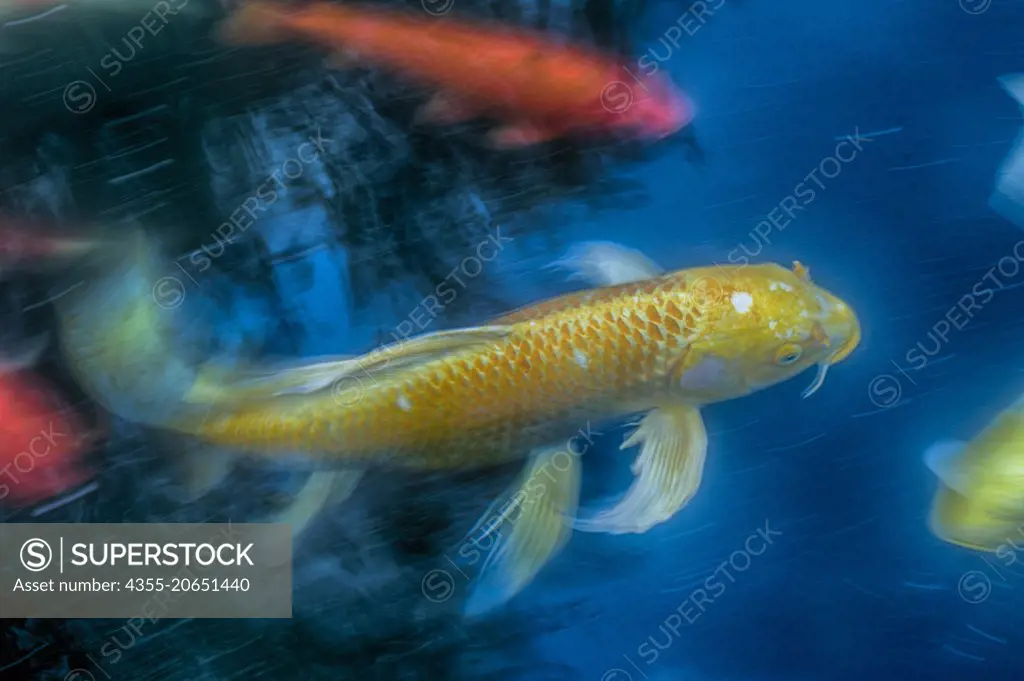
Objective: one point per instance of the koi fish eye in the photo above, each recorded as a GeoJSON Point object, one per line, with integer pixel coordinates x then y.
{"type": "Point", "coordinates": [788, 354]}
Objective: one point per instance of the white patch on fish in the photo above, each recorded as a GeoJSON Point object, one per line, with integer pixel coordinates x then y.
{"type": "Point", "coordinates": [404, 404]}
{"type": "Point", "coordinates": [581, 358]}
{"type": "Point", "coordinates": [742, 301]}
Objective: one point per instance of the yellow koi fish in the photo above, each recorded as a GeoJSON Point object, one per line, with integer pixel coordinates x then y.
{"type": "Point", "coordinates": [644, 341]}
{"type": "Point", "coordinates": [980, 501]}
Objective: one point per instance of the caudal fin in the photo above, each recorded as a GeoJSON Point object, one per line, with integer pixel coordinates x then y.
{"type": "Point", "coordinates": [256, 23]}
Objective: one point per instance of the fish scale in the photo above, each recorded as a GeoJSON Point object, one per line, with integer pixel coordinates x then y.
{"type": "Point", "coordinates": [567, 360]}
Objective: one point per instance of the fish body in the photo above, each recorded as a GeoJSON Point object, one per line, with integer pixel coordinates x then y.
{"type": "Point", "coordinates": [539, 88]}
{"type": "Point", "coordinates": [42, 441]}
{"type": "Point", "coordinates": [980, 500]}
{"type": "Point", "coordinates": [579, 357]}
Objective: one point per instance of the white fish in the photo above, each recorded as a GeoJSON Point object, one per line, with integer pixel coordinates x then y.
{"type": "Point", "coordinates": [1008, 197]}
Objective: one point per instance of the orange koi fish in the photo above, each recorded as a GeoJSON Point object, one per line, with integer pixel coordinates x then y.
{"type": "Point", "coordinates": [538, 88]}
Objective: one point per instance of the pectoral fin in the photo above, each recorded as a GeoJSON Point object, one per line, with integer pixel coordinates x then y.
{"type": "Point", "coordinates": [604, 263]}
{"type": "Point", "coordinates": [528, 527]}
{"type": "Point", "coordinates": [673, 446]}
{"type": "Point", "coordinates": [201, 470]}
{"type": "Point", "coordinates": [218, 384]}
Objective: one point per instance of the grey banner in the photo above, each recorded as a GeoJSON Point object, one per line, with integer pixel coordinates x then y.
{"type": "Point", "coordinates": [152, 571]}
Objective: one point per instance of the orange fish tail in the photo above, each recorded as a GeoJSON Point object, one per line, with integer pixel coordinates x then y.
{"type": "Point", "coordinates": [256, 23]}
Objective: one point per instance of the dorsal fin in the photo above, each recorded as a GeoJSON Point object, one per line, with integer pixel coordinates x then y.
{"type": "Point", "coordinates": [943, 459]}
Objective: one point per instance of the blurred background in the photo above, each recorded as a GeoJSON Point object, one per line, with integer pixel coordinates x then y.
{"type": "Point", "coordinates": [852, 583]}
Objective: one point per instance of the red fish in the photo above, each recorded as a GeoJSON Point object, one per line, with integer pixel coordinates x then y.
{"type": "Point", "coordinates": [41, 439]}
{"type": "Point", "coordinates": [538, 88]}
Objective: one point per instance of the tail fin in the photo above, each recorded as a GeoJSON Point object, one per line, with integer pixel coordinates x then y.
{"type": "Point", "coordinates": [256, 23]}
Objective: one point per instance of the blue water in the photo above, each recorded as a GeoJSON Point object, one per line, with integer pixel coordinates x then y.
{"type": "Point", "coordinates": [806, 555]}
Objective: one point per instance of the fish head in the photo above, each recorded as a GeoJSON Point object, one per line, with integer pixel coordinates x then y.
{"type": "Point", "coordinates": [979, 503]}
{"type": "Point", "coordinates": [764, 324]}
